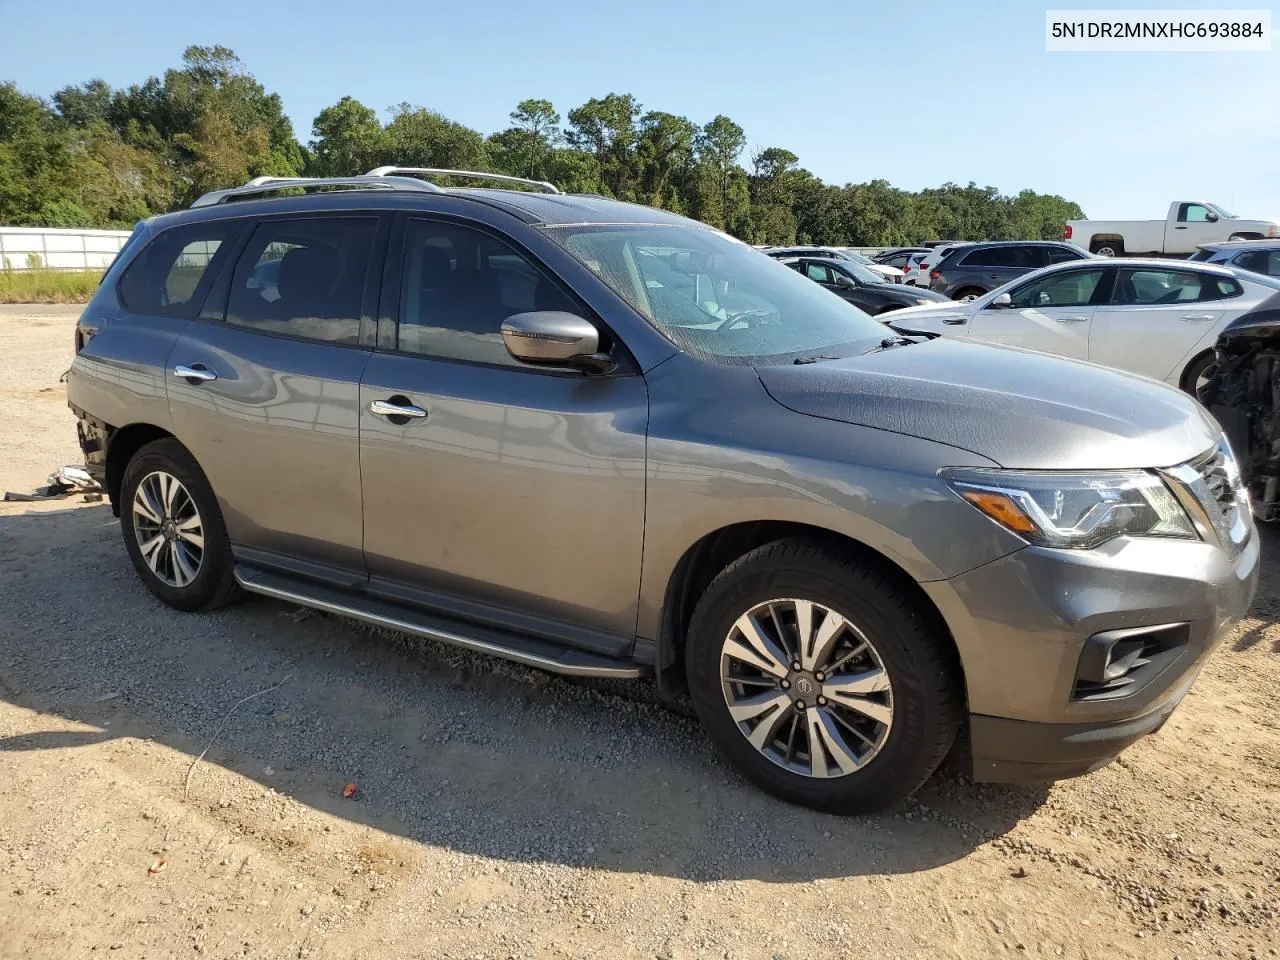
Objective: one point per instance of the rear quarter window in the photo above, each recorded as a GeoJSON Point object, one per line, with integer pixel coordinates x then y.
{"type": "Point", "coordinates": [171, 275]}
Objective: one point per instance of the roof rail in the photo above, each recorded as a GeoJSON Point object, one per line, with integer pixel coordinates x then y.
{"type": "Point", "coordinates": [259, 186]}
{"type": "Point", "coordinates": [423, 172]}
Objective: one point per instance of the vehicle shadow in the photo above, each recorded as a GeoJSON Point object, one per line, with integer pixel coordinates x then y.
{"type": "Point", "coordinates": [448, 748]}
{"type": "Point", "coordinates": [1266, 606]}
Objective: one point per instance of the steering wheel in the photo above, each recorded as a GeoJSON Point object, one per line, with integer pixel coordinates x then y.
{"type": "Point", "coordinates": [748, 318]}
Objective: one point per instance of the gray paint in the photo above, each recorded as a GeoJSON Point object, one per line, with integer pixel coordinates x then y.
{"type": "Point", "coordinates": [560, 505]}
{"type": "Point", "coordinates": [1021, 409]}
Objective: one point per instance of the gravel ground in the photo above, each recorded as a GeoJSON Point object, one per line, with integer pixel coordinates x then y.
{"type": "Point", "coordinates": [501, 812]}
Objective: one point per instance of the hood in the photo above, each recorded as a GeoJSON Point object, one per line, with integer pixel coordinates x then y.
{"type": "Point", "coordinates": [1023, 410]}
{"type": "Point", "coordinates": [943, 309]}
{"type": "Point", "coordinates": [900, 293]}
{"type": "Point", "coordinates": [1262, 321]}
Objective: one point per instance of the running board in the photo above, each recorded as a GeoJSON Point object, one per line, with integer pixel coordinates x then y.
{"type": "Point", "coordinates": [530, 651]}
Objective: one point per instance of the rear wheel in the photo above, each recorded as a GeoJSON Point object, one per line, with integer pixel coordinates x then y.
{"type": "Point", "coordinates": [968, 294]}
{"type": "Point", "coordinates": [1107, 248]}
{"type": "Point", "coordinates": [173, 529]}
{"type": "Point", "coordinates": [821, 680]}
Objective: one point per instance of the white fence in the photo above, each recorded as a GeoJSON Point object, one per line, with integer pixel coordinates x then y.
{"type": "Point", "coordinates": [33, 248]}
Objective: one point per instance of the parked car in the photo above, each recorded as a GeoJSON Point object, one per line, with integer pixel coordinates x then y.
{"type": "Point", "coordinates": [842, 253]}
{"type": "Point", "coordinates": [890, 272]}
{"type": "Point", "coordinates": [535, 425]}
{"type": "Point", "coordinates": [1243, 392]}
{"type": "Point", "coordinates": [898, 256]}
{"type": "Point", "coordinates": [869, 292]}
{"type": "Point", "coordinates": [969, 271]}
{"type": "Point", "coordinates": [933, 257]}
{"type": "Point", "coordinates": [1152, 317]}
{"type": "Point", "coordinates": [1256, 256]}
{"type": "Point", "coordinates": [914, 273]}
{"type": "Point", "coordinates": [1188, 224]}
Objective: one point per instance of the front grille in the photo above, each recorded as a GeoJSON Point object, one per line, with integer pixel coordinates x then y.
{"type": "Point", "coordinates": [1210, 489]}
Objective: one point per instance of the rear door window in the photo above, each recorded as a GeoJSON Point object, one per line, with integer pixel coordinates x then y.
{"type": "Point", "coordinates": [1062, 254]}
{"type": "Point", "coordinates": [1260, 261]}
{"type": "Point", "coordinates": [171, 275]}
{"type": "Point", "coordinates": [304, 278]}
{"type": "Point", "coordinates": [1159, 287]}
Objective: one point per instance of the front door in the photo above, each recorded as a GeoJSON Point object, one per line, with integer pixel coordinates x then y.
{"type": "Point", "coordinates": [494, 490]}
{"type": "Point", "coordinates": [266, 398]}
{"type": "Point", "coordinates": [1051, 314]}
{"type": "Point", "coordinates": [1192, 228]}
{"type": "Point", "coordinates": [1154, 318]}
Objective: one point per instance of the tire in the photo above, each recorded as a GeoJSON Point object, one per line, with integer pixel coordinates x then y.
{"type": "Point", "coordinates": [889, 308]}
{"type": "Point", "coordinates": [1107, 248]}
{"type": "Point", "coordinates": [1196, 369]}
{"type": "Point", "coordinates": [967, 294]}
{"type": "Point", "coordinates": [924, 698]}
{"type": "Point", "coordinates": [185, 576]}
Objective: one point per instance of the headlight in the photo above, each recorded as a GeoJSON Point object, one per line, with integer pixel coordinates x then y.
{"type": "Point", "coordinates": [921, 302]}
{"type": "Point", "coordinates": [1273, 231]}
{"type": "Point", "coordinates": [1074, 510]}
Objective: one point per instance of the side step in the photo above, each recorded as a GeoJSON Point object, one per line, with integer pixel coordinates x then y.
{"type": "Point", "coordinates": [499, 643]}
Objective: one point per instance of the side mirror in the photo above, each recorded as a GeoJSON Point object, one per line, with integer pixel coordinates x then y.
{"type": "Point", "coordinates": [843, 281]}
{"type": "Point", "coordinates": [1002, 302]}
{"type": "Point", "coordinates": [554, 338]}
{"type": "Point", "coordinates": [1211, 216]}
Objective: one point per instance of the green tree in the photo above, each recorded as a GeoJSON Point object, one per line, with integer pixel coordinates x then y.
{"type": "Point", "coordinates": [608, 129]}
{"type": "Point", "coordinates": [418, 137]}
{"type": "Point", "coordinates": [664, 146]}
{"type": "Point", "coordinates": [719, 144]}
{"type": "Point", "coordinates": [347, 139]}
{"type": "Point", "coordinates": [534, 134]}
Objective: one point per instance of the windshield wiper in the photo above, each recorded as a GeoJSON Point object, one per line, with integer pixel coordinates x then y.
{"type": "Point", "coordinates": [888, 343]}
{"type": "Point", "coordinates": [817, 358]}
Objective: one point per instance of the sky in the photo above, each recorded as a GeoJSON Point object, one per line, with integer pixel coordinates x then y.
{"type": "Point", "coordinates": [914, 93]}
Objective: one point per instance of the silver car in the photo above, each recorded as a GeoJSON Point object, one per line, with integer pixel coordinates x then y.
{"type": "Point", "coordinates": [608, 441]}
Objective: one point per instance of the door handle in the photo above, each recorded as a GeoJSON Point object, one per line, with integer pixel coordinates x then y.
{"type": "Point", "coordinates": [384, 408]}
{"type": "Point", "coordinates": [1197, 317]}
{"type": "Point", "coordinates": [198, 372]}
{"type": "Point", "coordinates": [955, 321]}
{"type": "Point", "coordinates": [1070, 319]}
{"type": "Point", "coordinates": [1179, 228]}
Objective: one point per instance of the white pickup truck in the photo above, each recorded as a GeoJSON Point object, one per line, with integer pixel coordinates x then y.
{"type": "Point", "coordinates": [1188, 224]}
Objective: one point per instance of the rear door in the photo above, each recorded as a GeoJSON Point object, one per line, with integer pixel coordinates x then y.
{"type": "Point", "coordinates": [507, 493]}
{"type": "Point", "coordinates": [264, 390]}
{"type": "Point", "coordinates": [1156, 315]}
{"type": "Point", "coordinates": [1051, 314]}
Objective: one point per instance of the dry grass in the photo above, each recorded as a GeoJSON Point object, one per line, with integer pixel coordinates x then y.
{"type": "Point", "coordinates": [48, 286]}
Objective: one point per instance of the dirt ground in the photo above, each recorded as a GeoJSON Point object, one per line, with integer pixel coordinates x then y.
{"type": "Point", "coordinates": [500, 812]}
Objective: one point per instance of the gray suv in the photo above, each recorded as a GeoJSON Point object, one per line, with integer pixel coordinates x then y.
{"type": "Point", "coordinates": [968, 271]}
{"type": "Point", "coordinates": [605, 440]}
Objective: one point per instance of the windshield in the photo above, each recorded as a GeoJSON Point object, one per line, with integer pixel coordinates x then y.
{"type": "Point", "coordinates": [856, 257]}
{"type": "Point", "coordinates": [859, 272]}
{"type": "Point", "coordinates": [717, 298]}
{"type": "Point", "coordinates": [1221, 211]}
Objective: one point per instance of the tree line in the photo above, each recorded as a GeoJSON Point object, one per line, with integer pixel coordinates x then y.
{"type": "Point", "coordinates": [93, 156]}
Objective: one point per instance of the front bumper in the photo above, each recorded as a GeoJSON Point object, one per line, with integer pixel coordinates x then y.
{"type": "Point", "coordinates": [1022, 622]}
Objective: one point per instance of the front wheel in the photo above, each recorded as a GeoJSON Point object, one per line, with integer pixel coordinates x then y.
{"type": "Point", "coordinates": [821, 680]}
{"type": "Point", "coordinates": [173, 529]}
{"type": "Point", "coordinates": [1196, 377]}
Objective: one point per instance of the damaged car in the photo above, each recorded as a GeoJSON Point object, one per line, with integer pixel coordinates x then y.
{"type": "Point", "coordinates": [1243, 394]}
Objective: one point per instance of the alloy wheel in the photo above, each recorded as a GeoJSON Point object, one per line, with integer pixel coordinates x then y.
{"type": "Point", "coordinates": [168, 527]}
{"type": "Point", "coordinates": [806, 687]}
